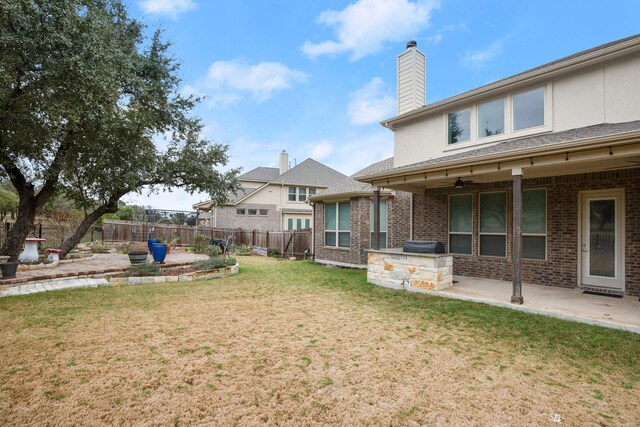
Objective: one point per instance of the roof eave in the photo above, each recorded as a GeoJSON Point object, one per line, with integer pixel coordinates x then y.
{"type": "Point", "coordinates": [536, 75]}
{"type": "Point", "coordinates": [559, 147]}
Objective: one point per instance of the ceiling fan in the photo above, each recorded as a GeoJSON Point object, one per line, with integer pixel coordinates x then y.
{"type": "Point", "coordinates": [459, 183]}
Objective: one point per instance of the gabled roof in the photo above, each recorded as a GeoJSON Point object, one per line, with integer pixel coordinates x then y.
{"type": "Point", "coordinates": [310, 173]}
{"type": "Point", "coordinates": [242, 193]}
{"type": "Point", "coordinates": [555, 69]}
{"type": "Point", "coordinates": [351, 187]}
{"type": "Point", "coordinates": [518, 146]}
{"type": "Point", "coordinates": [260, 174]}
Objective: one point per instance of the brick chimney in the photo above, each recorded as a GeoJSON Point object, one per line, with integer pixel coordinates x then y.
{"type": "Point", "coordinates": [284, 162]}
{"type": "Point", "coordinates": [411, 78]}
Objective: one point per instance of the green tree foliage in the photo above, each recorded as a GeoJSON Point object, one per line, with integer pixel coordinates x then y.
{"type": "Point", "coordinates": [82, 96]}
{"type": "Point", "coordinates": [8, 203]}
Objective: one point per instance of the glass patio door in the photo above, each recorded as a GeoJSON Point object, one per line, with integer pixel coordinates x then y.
{"type": "Point", "coordinates": [602, 239]}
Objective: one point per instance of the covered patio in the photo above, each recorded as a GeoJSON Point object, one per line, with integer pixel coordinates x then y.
{"type": "Point", "coordinates": [564, 303]}
{"type": "Point", "coordinates": [584, 223]}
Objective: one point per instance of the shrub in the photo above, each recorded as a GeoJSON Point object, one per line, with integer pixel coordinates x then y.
{"type": "Point", "coordinates": [214, 262]}
{"type": "Point", "coordinates": [99, 249]}
{"type": "Point", "coordinates": [143, 270]}
{"type": "Point", "coordinates": [200, 244]}
{"type": "Point", "coordinates": [213, 251]}
{"type": "Point", "coordinates": [244, 250]}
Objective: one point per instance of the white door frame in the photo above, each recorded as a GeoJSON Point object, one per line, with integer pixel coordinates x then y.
{"type": "Point", "coordinates": [617, 283]}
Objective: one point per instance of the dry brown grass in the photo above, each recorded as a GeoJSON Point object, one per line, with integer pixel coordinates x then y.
{"type": "Point", "coordinates": [285, 344]}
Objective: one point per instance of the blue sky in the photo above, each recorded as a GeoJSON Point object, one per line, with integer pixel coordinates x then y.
{"type": "Point", "coordinates": [316, 77]}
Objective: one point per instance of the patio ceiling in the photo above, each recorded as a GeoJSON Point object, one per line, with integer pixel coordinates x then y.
{"type": "Point", "coordinates": [566, 159]}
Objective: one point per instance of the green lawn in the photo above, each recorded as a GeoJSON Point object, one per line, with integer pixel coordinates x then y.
{"type": "Point", "coordinates": [292, 343]}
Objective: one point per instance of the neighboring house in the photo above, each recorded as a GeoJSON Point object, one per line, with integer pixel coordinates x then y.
{"type": "Point", "coordinates": [343, 218]}
{"type": "Point", "coordinates": [532, 178]}
{"type": "Point", "coordinates": [271, 198]}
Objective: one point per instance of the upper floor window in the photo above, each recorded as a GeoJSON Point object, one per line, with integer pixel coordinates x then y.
{"type": "Point", "coordinates": [459, 126]}
{"type": "Point", "coordinates": [491, 118]}
{"type": "Point", "coordinates": [528, 109]}
{"type": "Point", "coordinates": [300, 194]}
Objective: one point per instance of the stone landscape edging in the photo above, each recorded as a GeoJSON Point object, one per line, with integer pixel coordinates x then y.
{"type": "Point", "coordinates": [215, 273]}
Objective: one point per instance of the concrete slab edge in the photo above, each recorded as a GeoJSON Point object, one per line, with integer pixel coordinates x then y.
{"type": "Point", "coordinates": [523, 308]}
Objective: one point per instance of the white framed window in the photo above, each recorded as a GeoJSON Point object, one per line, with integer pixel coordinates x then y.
{"type": "Point", "coordinates": [300, 194]}
{"type": "Point", "coordinates": [307, 223]}
{"type": "Point", "coordinates": [252, 212]}
{"type": "Point", "coordinates": [527, 112]}
{"type": "Point", "coordinates": [337, 224]}
{"type": "Point", "coordinates": [241, 211]}
{"type": "Point", "coordinates": [534, 224]}
{"type": "Point", "coordinates": [264, 212]}
{"type": "Point", "coordinates": [290, 224]}
{"type": "Point", "coordinates": [383, 223]}
{"type": "Point", "coordinates": [491, 118]}
{"type": "Point", "coordinates": [460, 223]}
{"type": "Point", "coordinates": [493, 224]}
{"type": "Point", "coordinates": [528, 109]}
{"type": "Point", "coordinates": [459, 126]}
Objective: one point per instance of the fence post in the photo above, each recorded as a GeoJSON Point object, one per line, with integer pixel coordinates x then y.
{"type": "Point", "coordinates": [40, 231]}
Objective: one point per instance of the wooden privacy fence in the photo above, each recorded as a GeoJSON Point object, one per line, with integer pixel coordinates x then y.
{"type": "Point", "coordinates": [283, 242]}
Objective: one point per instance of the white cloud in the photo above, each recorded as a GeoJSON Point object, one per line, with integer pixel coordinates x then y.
{"type": "Point", "coordinates": [371, 103]}
{"type": "Point", "coordinates": [321, 150]}
{"type": "Point", "coordinates": [227, 81]}
{"type": "Point", "coordinates": [170, 8]}
{"type": "Point", "coordinates": [434, 39]}
{"type": "Point", "coordinates": [363, 27]}
{"type": "Point", "coordinates": [479, 58]}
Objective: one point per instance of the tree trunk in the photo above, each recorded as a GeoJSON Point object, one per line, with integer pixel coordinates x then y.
{"type": "Point", "coordinates": [83, 228]}
{"type": "Point", "coordinates": [21, 228]}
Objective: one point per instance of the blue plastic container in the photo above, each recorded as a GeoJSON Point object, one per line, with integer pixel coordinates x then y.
{"type": "Point", "coordinates": [150, 243]}
{"type": "Point", "coordinates": [159, 252]}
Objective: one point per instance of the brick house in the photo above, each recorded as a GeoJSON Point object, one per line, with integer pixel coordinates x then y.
{"type": "Point", "coordinates": [343, 218]}
{"type": "Point", "coordinates": [271, 198]}
{"type": "Point", "coordinates": [531, 178]}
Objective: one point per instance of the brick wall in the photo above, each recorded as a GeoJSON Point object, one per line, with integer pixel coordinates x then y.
{"type": "Point", "coordinates": [226, 217]}
{"type": "Point", "coordinates": [430, 213]}
{"type": "Point", "coordinates": [397, 229]}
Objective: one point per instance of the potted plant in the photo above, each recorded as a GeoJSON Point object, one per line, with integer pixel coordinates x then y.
{"type": "Point", "coordinates": [151, 242]}
{"type": "Point", "coordinates": [9, 269]}
{"type": "Point", "coordinates": [137, 257]}
{"type": "Point", "coordinates": [172, 243]}
{"type": "Point", "coordinates": [159, 252]}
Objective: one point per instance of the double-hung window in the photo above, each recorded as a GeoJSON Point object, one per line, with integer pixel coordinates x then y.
{"type": "Point", "coordinates": [337, 224]}
{"type": "Point", "coordinates": [493, 224]}
{"type": "Point", "coordinates": [300, 194]}
{"type": "Point", "coordinates": [383, 224]}
{"type": "Point", "coordinates": [534, 224]}
{"type": "Point", "coordinates": [460, 223]}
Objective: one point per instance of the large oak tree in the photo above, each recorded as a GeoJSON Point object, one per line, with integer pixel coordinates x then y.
{"type": "Point", "coordinates": [83, 96]}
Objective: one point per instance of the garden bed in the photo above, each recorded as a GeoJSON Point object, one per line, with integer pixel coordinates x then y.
{"type": "Point", "coordinates": [176, 274]}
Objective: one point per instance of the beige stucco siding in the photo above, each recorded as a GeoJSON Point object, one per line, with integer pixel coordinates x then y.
{"type": "Point", "coordinates": [578, 101]}
{"type": "Point", "coordinates": [422, 140]}
{"type": "Point", "coordinates": [622, 91]}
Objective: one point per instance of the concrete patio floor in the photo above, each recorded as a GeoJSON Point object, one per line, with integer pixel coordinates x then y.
{"type": "Point", "coordinates": [570, 304]}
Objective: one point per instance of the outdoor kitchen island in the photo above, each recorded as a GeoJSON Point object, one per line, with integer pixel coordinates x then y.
{"type": "Point", "coordinates": [395, 268]}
